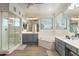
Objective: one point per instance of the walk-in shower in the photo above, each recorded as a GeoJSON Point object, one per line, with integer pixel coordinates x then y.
{"type": "Point", "coordinates": [10, 30]}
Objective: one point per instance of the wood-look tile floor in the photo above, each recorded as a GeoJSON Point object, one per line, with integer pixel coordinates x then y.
{"type": "Point", "coordinates": [34, 50]}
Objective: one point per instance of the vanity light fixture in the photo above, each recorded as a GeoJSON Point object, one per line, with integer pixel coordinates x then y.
{"type": "Point", "coordinates": [31, 18]}
{"type": "Point", "coordinates": [74, 18]}
{"type": "Point", "coordinates": [11, 18]}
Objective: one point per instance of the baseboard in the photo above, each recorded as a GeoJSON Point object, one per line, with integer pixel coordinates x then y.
{"type": "Point", "coordinates": [14, 48]}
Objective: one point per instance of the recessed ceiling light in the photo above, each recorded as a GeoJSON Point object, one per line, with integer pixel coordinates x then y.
{"type": "Point", "coordinates": [75, 18]}
{"type": "Point", "coordinates": [11, 18]}
{"type": "Point", "coordinates": [77, 4]}
{"type": "Point", "coordinates": [50, 9]}
{"type": "Point", "coordinates": [71, 6]}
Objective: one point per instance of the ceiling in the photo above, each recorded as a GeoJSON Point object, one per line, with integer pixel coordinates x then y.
{"type": "Point", "coordinates": [72, 12]}
{"type": "Point", "coordinates": [43, 9]}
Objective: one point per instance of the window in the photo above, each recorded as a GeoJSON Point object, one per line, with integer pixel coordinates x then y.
{"type": "Point", "coordinates": [61, 22]}
{"type": "Point", "coordinates": [46, 23]}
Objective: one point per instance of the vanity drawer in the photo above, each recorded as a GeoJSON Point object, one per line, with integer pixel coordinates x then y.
{"type": "Point", "coordinates": [59, 41]}
{"type": "Point", "coordinates": [71, 48]}
{"type": "Point", "coordinates": [68, 46]}
{"type": "Point", "coordinates": [60, 46]}
{"type": "Point", "coordinates": [78, 51]}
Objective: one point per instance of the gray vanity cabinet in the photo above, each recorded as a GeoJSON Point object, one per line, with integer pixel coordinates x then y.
{"type": "Point", "coordinates": [60, 46]}
{"type": "Point", "coordinates": [35, 37]}
{"type": "Point", "coordinates": [65, 49]}
{"type": "Point", "coordinates": [71, 48]}
{"type": "Point", "coordinates": [26, 38]}
{"type": "Point", "coordinates": [29, 38]}
{"type": "Point", "coordinates": [78, 51]}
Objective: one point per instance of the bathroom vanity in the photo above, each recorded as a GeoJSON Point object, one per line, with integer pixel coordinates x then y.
{"type": "Point", "coordinates": [66, 47]}
{"type": "Point", "coordinates": [29, 38]}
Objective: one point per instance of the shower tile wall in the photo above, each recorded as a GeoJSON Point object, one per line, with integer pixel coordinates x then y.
{"type": "Point", "coordinates": [4, 30]}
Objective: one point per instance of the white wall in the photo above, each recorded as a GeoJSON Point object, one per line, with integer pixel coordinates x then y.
{"type": "Point", "coordinates": [18, 9]}
{"type": "Point", "coordinates": [4, 6]}
{"type": "Point", "coordinates": [10, 7]}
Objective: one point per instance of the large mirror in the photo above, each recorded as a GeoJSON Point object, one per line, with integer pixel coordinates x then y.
{"type": "Point", "coordinates": [31, 26]}
{"type": "Point", "coordinates": [74, 26]}
{"type": "Point", "coordinates": [24, 25]}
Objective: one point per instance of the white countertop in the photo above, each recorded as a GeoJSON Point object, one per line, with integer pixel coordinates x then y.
{"type": "Point", "coordinates": [71, 42]}
{"type": "Point", "coordinates": [29, 32]}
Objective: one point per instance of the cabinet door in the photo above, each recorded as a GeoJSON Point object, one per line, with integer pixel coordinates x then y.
{"type": "Point", "coordinates": [27, 38]}
{"type": "Point", "coordinates": [30, 38]}
{"type": "Point", "coordinates": [23, 38]}
{"type": "Point", "coordinates": [35, 38]}
{"type": "Point", "coordinates": [71, 48]}
{"type": "Point", "coordinates": [60, 46]}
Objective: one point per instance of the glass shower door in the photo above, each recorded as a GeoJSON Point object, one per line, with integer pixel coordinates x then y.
{"type": "Point", "coordinates": [0, 30]}
{"type": "Point", "coordinates": [17, 30]}
{"type": "Point", "coordinates": [9, 30]}
{"type": "Point", "coordinates": [14, 28]}
{"type": "Point", "coordinates": [4, 30]}
{"type": "Point", "coordinates": [11, 34]}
